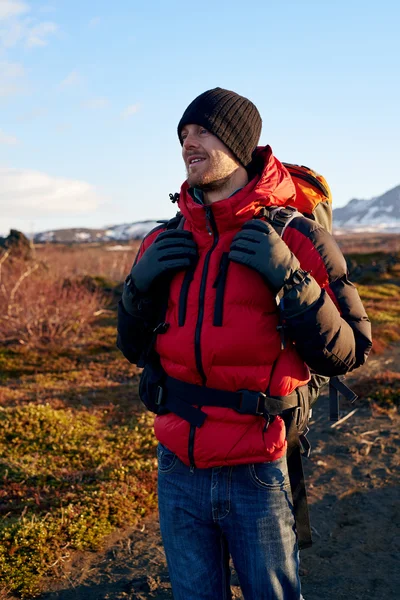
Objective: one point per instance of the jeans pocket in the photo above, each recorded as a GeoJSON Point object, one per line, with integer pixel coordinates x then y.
{"type": "Point", "coordinates": [271, 475]}
{"type": "Point", "coordinates": [166, 459]}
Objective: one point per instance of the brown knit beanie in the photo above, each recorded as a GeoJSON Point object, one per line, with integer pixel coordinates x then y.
{"type": "Point", "coordinates": [230, 117]}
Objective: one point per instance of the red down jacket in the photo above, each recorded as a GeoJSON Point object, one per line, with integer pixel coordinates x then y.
{"type": "Point", "coordinates": [230, 341]}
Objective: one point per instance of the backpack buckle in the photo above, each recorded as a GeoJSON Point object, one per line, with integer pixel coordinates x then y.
{"type": "Point", "coordinates": [159, 399]}
{"type": "Point", "coordinates": [305, 445]}
{"type": "Point", "coordinates": [251, 403]}
{"type": "Point", "coordinates": [283, 214]}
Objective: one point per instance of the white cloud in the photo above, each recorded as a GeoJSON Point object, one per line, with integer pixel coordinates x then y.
{"type": "Point", "coordinates": [130, 110]}
{"type": "Point", "coordinates": [11, 70]}
{"type": "Point", "coordinates": [9, 140]}
{"type": "Point", "coordinates": [11, 76]}
{"type": "Point", "coordinates": [47, 9]}
{"type": "Point", "coordinates": [34, 194]}
{"type": "Point", "coordinates": [94, 22]}
{"type": "Point", "coordinates": [37, 35]}
{"type": "Point", "coordinates": [12, 34]}
{"type": "Point", "coordinates": [96, 103]}
{"type": "Point", "coordinates": [72, 79]}
{"type": "Point", "coordinates": [32, 115]}
{"type": "Point", "coordinates": [17, 28]}
{"type": "Point", "coordinates": [63, 127]}
{"type": "Point", "coordinates": [11, 8]}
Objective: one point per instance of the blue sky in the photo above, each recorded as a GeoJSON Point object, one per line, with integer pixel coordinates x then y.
{"type": "Point", "coordinates": [91, 93]}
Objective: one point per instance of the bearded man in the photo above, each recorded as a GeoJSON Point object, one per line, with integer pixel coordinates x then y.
{"type": "Point", "coordinates": [200, 313]}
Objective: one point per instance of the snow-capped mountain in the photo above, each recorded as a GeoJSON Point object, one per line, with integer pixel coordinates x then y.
{"type": "Point", "coordinates": [131, 231]}
{"type": "Point", "coordinates": [381, 214]}
{"type": "Point", "coordinates": [127, 231]}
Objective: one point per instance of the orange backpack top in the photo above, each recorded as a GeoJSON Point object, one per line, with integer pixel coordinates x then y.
{"type": "Point", "coordinates": [313, 196]}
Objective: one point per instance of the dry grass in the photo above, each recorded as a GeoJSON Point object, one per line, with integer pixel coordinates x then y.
{"type": "Point", "coordinates": [94, 260]}
{"type": "Point", "coordinates": [53, 298]}
{"type": "Point", "coordinates": [60, 314]}
{"type": "Point", "coordinates": [365, 243]}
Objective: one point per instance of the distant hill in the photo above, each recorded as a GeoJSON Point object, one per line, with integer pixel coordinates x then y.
{"type": "Point", "coordinates": [127, 231]}
{"type": "Point", "coordinates": [381, 214]}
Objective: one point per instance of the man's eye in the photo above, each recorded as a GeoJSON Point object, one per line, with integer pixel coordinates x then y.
{"type": "Point", "coordinates": [202, 130]}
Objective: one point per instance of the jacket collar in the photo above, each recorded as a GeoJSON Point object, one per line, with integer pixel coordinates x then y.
{"type": "Point", "coordinates": [198, 195]}
{"type": "Point", "coordinates": [270, 186]}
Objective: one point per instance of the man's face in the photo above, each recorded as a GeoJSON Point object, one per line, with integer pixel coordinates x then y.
{"type": "Point", "coordinates": [209, 163]}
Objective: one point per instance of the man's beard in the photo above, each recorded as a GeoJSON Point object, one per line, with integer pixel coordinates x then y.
{"type": "Point", "coordinates": [212, 186]}
{"type": "Point", "coordinates": [214, 178]}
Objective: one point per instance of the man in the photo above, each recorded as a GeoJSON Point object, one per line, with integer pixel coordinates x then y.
{"type": "Point", "coordinates": [199, 311]}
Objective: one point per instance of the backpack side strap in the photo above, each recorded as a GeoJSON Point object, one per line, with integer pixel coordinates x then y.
{"type": "Point", "coordinates": [298, 485]}
{"type": "Point", "coordinates": [336, 387]}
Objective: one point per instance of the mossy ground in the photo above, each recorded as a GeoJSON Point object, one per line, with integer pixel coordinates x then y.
{"type": "Point", "coordinates": [77, 454]}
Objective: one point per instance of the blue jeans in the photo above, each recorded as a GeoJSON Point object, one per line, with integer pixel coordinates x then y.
{"type": "Point", "coordinates": [244, 511]}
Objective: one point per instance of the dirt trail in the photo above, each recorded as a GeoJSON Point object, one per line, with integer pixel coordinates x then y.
{"type": "Point", "coordinates": [355, 514]}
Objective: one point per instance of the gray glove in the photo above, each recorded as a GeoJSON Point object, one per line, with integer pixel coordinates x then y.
{"type": "Point", "coordinates": [259, 247]}
{"type": "Point", "coordinates": [172, 251]}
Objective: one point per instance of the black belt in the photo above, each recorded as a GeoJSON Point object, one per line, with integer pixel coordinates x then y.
{"type": "Point", "coordinates": [181, 398]}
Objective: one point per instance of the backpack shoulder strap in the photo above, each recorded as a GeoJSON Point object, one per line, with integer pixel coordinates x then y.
{"type": "Point", "coordinates": [176, 222]}
{"type": "Point", "coordinates": [279, 217]}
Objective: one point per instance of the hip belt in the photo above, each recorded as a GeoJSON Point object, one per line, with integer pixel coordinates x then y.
{"type": "Point", "coordinates": [185, 399]}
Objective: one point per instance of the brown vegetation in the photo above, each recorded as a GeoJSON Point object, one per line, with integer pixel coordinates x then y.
{"type": "Point", "coordinates": [96, 260]}
{"type": "Point", "coordinates": [365, 243]}
{"type": "Point", "coordinates": [51, 294]}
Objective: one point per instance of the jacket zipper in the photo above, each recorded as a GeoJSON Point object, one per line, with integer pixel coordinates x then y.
{"type": "Point", "coordinates": [209, 220]}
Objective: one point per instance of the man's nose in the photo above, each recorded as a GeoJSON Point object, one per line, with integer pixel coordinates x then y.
{"type": "Point", "coordinates": [190, 141]}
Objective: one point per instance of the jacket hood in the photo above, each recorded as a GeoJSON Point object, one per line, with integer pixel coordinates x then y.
{"type": "Point", "coordinates": [271, 186]}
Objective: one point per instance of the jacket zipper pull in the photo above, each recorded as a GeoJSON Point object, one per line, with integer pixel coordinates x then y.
{"type": "Point", "coordinates": [208, 218]}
